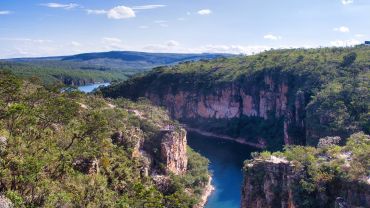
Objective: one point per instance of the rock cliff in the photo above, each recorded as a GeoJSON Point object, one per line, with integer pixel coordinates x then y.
{"type": "Point", "coordinates": [277, 97]}
{"type": "Point", "coordinates": [274, 184]}
{"type": "Point", "coordinates": [328, 176]}
{"type": "Point", "coordinates": [173, 151]}
{"type": "Point", "coordinates": [272, 99]}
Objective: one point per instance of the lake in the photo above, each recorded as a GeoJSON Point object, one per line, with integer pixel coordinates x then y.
{"type": "Point", "coordinates": [91, 87]}
{"type": "Point", "coordinates": [226, 162]}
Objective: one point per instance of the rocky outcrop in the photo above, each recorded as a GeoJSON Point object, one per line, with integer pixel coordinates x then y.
{"type": "Point", "coordinates": [173, 151]}
{"type": "Point", "coordinates": [273, 183]}
{"type": "Point", "coordinates": [5, 202]}
{"type": "Point", "coordinates": [267, 184]}
{"type": "Point", "coordinates": [86, 165]}
{"type": "Point", "coordinates": [271, 99]}
{"type": "Point", "coordinates": [172, 144]}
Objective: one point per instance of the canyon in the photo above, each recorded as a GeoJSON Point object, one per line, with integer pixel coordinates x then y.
{"type": "Point", "coordinates": [274, 183]}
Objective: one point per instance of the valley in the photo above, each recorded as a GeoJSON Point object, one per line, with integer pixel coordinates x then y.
{"type": "Point", "coordinates": [230, 122]}
{"type": "Point", "coordinates": [184, 104]}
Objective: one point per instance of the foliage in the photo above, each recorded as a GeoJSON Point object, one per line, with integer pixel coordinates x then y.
{"type": "Point", "coordinates": [335, 83]}
{"type": "Point", "coordinates": [53, 138]}
{"type": "Point", "coordinates": [323, 170]}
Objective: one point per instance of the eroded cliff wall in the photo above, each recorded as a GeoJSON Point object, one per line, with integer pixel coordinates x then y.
{"type": "Point", "coordinates": [268, 98]}
{"type": "Point", "coordinates": [275, 183]}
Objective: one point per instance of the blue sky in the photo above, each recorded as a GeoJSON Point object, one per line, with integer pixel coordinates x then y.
{"type": "Point", "coordinates": [60, 27]}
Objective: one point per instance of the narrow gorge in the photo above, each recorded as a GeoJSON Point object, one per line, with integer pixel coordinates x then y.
{"type": "Point", "coordinates": [270, 100]}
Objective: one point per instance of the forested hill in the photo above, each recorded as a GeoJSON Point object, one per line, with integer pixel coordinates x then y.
{"type": "Point", "coordinates": [96, 67]}
{"type": "Point", "coordinates": [290, 96]}
{"type": "Point", "coordinates": [69, 149]}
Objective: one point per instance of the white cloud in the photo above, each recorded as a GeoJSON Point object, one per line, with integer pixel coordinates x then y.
{"type": "Point", "coordinates": [172, 43]}
{"type": "Point", "coordinates": [181, 19]}
{"type": "Point", "coordinates": [96, 11]}
{"type": "Point", "coordinates": [344, 43]}
{"type": "Point", "coordinates": [234, 49]}
{"type": "Point", "coordinates": [346, 2]}
{"type": "Point", "coordinates": [5, 12]}
{"type": "Point", "coordinates": [204, 12]}
{"type": "Point", "coordinates": [151, 6]}
{"type": "Point", "coordinates": [75, 44]}
{"type": "Point", "coordinates": [168, 46]}
{"type": "Point", "coordinates": [62, 6]}
{"type": "Point", "coordinates": [342, 29]}
{"type": "Point", "coordinates": [27, 40]}
{"type": "Point", "coordinates": [121, 12]}
{"type": "Point", "coordinates": [110, 43]}
{"type": "Point", "coordinates": [272, 37]}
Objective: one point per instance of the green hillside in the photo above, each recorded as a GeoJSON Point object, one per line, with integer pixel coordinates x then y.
{"type": "Point", "coordinates": [58, 149]}
{"type": "Point", "coordinates": [335, 83]}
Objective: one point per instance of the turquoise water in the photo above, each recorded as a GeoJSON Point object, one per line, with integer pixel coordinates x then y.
{"type": "Point", "coordinates": [226, 162]}
{"type": "Point", "coordinates": [91, 87]}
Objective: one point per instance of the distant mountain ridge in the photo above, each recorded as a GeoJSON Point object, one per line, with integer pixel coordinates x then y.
{"type": "Point", "coordinates": [132, 59]}
{"type": "Point", "coordinates": [87, 68]}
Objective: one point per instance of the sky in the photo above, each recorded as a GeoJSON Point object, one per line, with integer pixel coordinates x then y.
{"type": "Point", "coordinates": [31, 28]}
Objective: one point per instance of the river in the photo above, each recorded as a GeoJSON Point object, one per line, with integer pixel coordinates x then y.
{"type": "Point", "coordinates": [90, 87]}
{"type": "Point", "coordinates": [226, 162]}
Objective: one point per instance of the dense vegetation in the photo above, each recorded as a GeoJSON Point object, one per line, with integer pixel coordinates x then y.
{"type": "Point", "coordinates": [335, 83]}
{"type": "Point", "coordinates": [69, 74]}
{"type": "Point", "coordinates": [89, 68]}
{"type": "Point", "coordinates": [328, 170]}
{"type": "Point", "coordinates": [56, 151]}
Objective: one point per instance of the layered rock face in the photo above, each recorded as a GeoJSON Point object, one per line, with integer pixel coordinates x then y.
{"type": "Point", "coordinates": [273, 183]}
{"type": "Point", "coordinates": [271, 99]}
{"type": "Point", "coordinates": [172, 146]}
{"type": "Point", "coordinates": [173, 151]}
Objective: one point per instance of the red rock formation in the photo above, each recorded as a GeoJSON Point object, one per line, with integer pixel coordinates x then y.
{"type": "Point", "coordinates": [173, 152]}
{"type": "Point", "coordinates": [269, 101]}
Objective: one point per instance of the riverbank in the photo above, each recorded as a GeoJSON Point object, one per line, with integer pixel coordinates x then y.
{"type": "Point", "coordinates": [209, 188]}
{"type": "Point", "coordinates": [238, 140]}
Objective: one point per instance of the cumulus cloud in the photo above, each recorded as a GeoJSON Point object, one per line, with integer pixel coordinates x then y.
{"type": "Point", "coordinates": [4, 12]}
{"type": "Point", "coordinates": [272, 37]}
{"type": "Point", "coordinates": [204, 12]}
{"type": "Point", "coordinates": [151, 6]}
{"type": "Point", "coordinates": [121, 12]}
{"type": "Point", "coordinates": [61, 6]}
{"type": "Point", "coordinates": [344, 43]}
{"type": "Point", "coordinates": [346, 2]}
{"type": "Point", "coordinates": [342, 29]}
